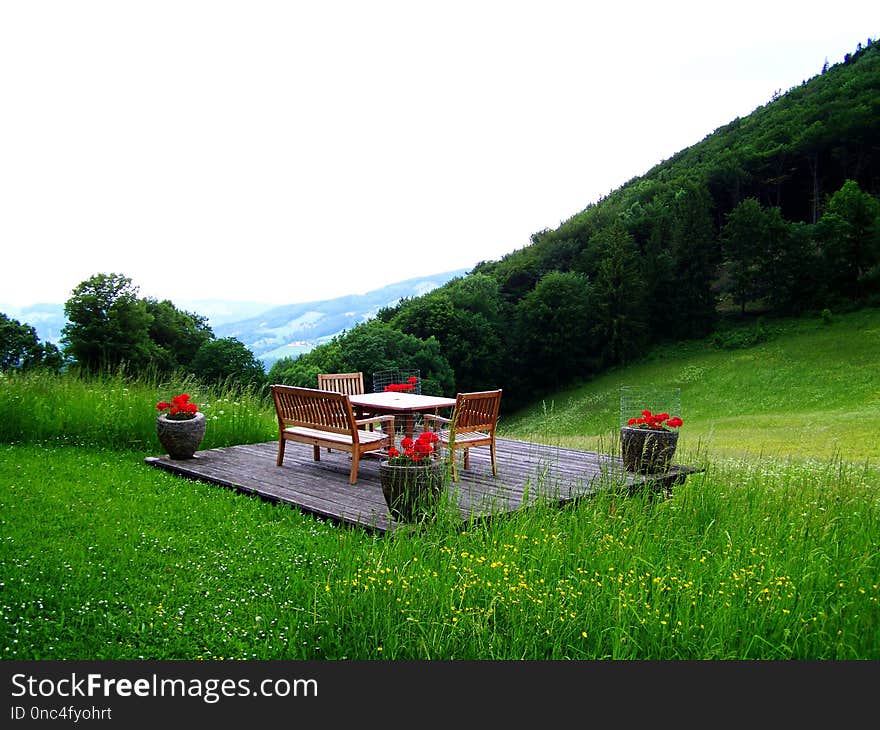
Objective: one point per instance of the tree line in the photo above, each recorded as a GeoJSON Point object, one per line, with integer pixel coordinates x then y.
{"type": "Point", "coordinates": [110, 327]}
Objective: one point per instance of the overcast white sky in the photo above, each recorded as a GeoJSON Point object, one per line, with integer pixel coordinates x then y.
{"type": "Point", "coordinates": [292, 151]}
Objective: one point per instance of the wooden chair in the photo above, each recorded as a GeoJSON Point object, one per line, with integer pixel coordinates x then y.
{"type": "Point", "coordinates": [348, 383]}
{"type": "Point", "coordinates": [325, 418]}
{"type": "Point", "coordinates": [472, 424]}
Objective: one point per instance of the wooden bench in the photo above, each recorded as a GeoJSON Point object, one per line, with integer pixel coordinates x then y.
{"type": "Point", "coordinates": [325, 418]}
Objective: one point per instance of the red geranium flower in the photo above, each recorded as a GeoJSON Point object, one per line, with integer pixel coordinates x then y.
{"type": "Point", "coordinates": [656, 421]}
{"type": "Point", "coordinates": [414, 451]}
{"type": "Point", "coordinates": [180, 408]}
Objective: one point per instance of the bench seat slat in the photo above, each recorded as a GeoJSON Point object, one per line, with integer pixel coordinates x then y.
{"type": "Point", "coordinates": [364, 437]}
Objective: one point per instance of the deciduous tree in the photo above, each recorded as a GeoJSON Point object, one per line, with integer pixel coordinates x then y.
{"type": "Point", "coordinates": [554, 325]}
{"type": "Point", "coordinates": [227, 360]}
{"type": "Point", "coordinates": [108, 325]}
{"type": "Point", "coordinates": [849, 231]}
{"type": "Point", "coordinates": [21, 349]}
{"type": "Point", "coordinates": [177, 334]}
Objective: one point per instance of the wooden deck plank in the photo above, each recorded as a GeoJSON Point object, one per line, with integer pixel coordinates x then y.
{"type": "Point", "coordinates": [528, 473]}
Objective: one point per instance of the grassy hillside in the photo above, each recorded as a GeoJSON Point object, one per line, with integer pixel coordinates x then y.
{"type": "Point", "coordinates": [807, 389]}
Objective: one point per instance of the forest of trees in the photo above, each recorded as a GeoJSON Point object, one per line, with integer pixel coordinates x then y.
{"type": "Point", "coordinates": [776, 214]}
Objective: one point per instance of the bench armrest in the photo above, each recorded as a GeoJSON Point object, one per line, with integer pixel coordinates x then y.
{"type": "Point", "coordinates": [377, 419]}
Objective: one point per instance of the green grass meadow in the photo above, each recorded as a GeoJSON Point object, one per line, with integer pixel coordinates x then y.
{"type": "Point", "coordinates": [810, 390]}
{"type": "Point", "coordinates": [772, 553]}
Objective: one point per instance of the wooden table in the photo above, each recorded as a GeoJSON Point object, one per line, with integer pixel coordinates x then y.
{"type": "Point", "coordinates": [400, 404]}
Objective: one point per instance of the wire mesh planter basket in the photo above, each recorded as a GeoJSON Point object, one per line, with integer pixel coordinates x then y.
{"type": "Point", "coordinates": [635, 399]}
{"type": "Point", "coordinates": [403, 379]}
{"type": "Point", "coordinates": [646, 450]}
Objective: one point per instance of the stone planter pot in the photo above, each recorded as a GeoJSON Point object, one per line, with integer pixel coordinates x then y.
{"type": "Point", "coordinates": [411, 492]}
{"type": "Point", "coordinates": [647, 451]}
{"type": "Point", "coordinates": [181, 438]}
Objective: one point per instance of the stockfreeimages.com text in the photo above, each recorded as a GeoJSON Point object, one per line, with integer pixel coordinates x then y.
{"type": "Point", "coordinates": [209, 690]}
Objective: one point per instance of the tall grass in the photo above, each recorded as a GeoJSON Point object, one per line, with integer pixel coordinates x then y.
{"type": "Point", "coordinates": [810, 390]}
{"type": "Point", "coordinates": [118, 410]}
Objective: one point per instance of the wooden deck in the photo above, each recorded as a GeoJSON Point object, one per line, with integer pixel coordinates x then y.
{"type": "Point", "coordinates": [528, 474]}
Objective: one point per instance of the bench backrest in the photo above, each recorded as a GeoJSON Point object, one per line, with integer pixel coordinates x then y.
{"type": "Point", "coordinates": [324, 410]}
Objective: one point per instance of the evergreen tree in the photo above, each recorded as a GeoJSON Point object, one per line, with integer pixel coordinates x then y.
{"type": "Point", "coordinates": [744, 240]}
{"type": "Point", "coordinates": [619, 299]}
{"type": "Point", "coordinates": [695, 253]}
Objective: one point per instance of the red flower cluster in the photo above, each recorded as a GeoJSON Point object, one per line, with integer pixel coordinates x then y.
{"type": "Point", "coordinates": [179, 409]}
{"type": "Point", "coordinates": [414, 451]}
{"type": "Point", "coordinates": [660, 421]}
{"type": "Point", "coordinates": [407, 387]}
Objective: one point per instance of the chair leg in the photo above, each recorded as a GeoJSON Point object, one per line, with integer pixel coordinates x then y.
{"type": "Point", "coordinates": [316, 453]}
{"type": "Point", "coordinates": [494, 465]}
{"type": "Point", "coordinates": [355, 459]}
{"type": "Point", "coordinates": [467, 458]}
{"type": "Point", "coordinates": [280, 458]}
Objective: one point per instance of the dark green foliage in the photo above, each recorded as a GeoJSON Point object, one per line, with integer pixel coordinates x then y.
{"type": "Point", "coordinates": [370, 347]}
{"type": "Point", "coordinates": [620, 296]}
{"type": "Point", "coordinates": [768, 260]}
{"type": "Point", "coordinates": [108, 325]}
{"type": "Point", "coordinates": [744, 241]}
{"type": "Point", "coordinates": [696, 255]}
{"type": "Point", "coordinates": [849, 233]}
{"type": "Point", "coordinates": [466, 318]}
{"type": "Point", "coordinates": [554, 324]}
{"type": "Point", "coordinates": [177, 334]}
{"type": "Point", "coordinates": [21, 349]}
{"type": "Point", "coordinates": [797, 149]}
{"type": "Point", "coordinates": [227, 359]}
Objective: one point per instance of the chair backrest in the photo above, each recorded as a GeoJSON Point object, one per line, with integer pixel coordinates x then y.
{"type": "Point", "coordinates": [348, 383]}
{"type": "Point", "coordinates": [323, 409]}
{"type": "Point", "coordinates": [476, 411]}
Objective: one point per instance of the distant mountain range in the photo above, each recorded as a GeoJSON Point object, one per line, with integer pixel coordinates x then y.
{"type": "Point", "coordinates": [292, 329]}
{"type": "Point", "coordinates": [269, 331]}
